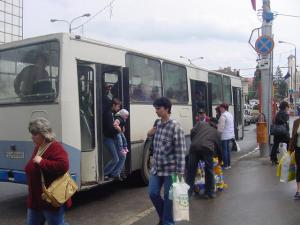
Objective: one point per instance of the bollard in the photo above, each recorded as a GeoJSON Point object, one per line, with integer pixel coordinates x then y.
{"type": "Point", "coordinates": [261, 129]}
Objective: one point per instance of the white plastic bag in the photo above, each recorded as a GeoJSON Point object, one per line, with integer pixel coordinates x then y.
{"type": "Point", "coordinates": [285, 162]}
{"type": "Point", "coordinates": [180, 201]}
{"type": "Point", "coordinates": [282, 147]}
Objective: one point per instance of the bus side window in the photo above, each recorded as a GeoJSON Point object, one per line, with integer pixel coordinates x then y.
{"type": "Point", "coordinates": [43, 88]}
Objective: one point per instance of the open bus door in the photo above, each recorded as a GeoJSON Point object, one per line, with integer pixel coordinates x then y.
{"type": "Point", "coordinates": [238, 109]}
{"type": "Point", "coordinates": [200, 99]}
{"type": "Point", "coordinates": [93, 78]}
{"type": "Point", "coordinates": [111, 82]}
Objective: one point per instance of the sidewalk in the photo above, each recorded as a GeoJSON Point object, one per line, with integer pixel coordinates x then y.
{"type": "Point", "coordinates": [254, 197]}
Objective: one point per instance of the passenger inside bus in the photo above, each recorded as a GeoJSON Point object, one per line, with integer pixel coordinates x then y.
{"type": "Point", "coordinates": [107, 97]}
{"type": "Point", "coordinates": [170, 93]}
{"type": "Point", "coordinates": [33, 79]}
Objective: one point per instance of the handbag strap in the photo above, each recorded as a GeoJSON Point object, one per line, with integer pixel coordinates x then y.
{"type": "Point", "coordinates": [40, 152]}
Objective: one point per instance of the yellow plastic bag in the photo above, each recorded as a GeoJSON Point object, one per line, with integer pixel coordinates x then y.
{"type": "Point", "coordinates": [286, 168]}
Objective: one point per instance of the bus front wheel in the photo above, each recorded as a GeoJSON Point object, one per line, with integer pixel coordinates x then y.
{"type": "Point", "coordinates": [146, 162]}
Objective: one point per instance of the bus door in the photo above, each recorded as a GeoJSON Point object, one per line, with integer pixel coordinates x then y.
{"type": "Point", "coordinates": [200, 100]}
{"type": "Point", "coordinates": [238, 122]}
{"type": "Point", "coordinates": [111, 82]}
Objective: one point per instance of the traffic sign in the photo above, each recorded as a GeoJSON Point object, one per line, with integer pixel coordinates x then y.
{"type": "Point", "coordinates": [264, 45]}
{"type": "Point", "coordinates": [263, 64]}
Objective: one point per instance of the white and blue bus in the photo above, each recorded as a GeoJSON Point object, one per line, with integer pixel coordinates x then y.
{"type": "Point", "coordinates": [80, 70]}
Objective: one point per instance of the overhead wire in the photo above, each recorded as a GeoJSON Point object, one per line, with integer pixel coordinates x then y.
{"type": "Point", "coordinates": [109, 5]}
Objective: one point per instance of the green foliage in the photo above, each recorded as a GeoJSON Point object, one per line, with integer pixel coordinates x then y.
{"type": "Point", "coordinates": [280, 85]}
{"type": "Point", "coordinates": [253, 91]}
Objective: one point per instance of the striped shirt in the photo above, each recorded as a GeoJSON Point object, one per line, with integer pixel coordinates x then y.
{"type": "Point", "coordinates": [168, 149]}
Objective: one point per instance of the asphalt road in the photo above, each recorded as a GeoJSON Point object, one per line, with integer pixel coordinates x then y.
{"type": "Point", "coordinates": [254, 197]}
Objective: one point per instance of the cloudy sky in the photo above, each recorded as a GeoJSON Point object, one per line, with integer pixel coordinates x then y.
{"type": "Point", "coordinates": [217, 30]}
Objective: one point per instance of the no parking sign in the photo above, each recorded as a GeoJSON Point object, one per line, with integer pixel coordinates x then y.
{"type": "Point", "coordinates": [264, 45]}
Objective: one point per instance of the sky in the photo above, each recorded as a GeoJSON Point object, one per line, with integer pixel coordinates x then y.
{"type": "Point", "coordinates": [217, 30]}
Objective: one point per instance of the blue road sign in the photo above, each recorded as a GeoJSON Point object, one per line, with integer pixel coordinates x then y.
{"type": "Point", "coordinates": [264, 45]}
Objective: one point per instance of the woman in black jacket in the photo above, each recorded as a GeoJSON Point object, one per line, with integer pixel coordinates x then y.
{"type": "Point", "coordinates": [282, 118]}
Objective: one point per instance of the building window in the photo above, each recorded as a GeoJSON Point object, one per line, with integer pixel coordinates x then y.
{"type": "Point", "coordinates": [10, 16]}
{"type": "Point", "coordinates": [175, 83]}
{"type": "Point", "coordinates": [144, 78]}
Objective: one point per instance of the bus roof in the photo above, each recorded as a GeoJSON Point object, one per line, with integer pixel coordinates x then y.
{"type": "Point", "coordinates": [60, 36]}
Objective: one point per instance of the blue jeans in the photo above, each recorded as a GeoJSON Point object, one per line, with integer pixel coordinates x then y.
{"type": "Point", "coordinates": [226, 152]}
{"type": "Point", "coordinates": [164, 207]}
{"type": "Point", "coordinates": [115, 165]}
{"type": "Point", "coordinates": [39, 217]}
{"type": "Point", "coordinates": [121, 141]}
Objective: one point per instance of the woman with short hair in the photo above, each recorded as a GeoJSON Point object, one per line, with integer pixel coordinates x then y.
{"type": "Point", "coordinates": [49, 158]}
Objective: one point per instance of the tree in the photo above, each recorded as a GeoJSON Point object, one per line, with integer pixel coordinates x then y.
{"type": "Point", "coordinates": [253, 93]}
{"type": "Point", "coordinates": [279, 84]}
{"type": "Point", "coordinates": [277, 77]}
{"type": "Point", "coordinates": [282, 90]}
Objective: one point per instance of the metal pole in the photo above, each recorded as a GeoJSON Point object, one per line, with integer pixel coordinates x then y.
{"type": "Point", "coordinates": [266, 79]}
{"type": "Point", "coordinates": [295, 90]}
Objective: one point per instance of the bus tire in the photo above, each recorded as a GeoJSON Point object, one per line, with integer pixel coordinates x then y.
{"type": "Point", "coordinates": [146, 162]}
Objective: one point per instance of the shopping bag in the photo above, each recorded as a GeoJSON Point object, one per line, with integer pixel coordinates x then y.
{"type": "Point", "coordinates": [284, 167]}
{"type": "Point", "coordinates": [180, 200]}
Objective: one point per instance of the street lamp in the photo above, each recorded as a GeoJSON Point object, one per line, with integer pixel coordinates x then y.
{"type": "Point", "coordinates": [295, 68]}
{"type": "Point", "coordinates": [70, 22]}
{"type": "Point", "coordinates": [190, 60]}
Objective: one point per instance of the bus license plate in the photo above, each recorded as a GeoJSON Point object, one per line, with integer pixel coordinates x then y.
{"type": "Point", "coordinates": [15, 155]}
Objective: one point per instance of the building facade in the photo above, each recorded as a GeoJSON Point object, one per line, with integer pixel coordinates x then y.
{"type": "Point", "coordinates": [11, 20]}
{"type": "Point", "coordinates": [293, 80]}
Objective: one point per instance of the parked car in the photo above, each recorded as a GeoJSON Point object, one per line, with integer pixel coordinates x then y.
{"type": "Point", "coordinates": [247, 116]}
{"type": "Point", "coordinates": [254, 113]}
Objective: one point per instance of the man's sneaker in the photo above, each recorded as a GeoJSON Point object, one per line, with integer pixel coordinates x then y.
{"type": "Point", "coordinates": [117, 178]}
{"type": "Point", "coordinates": [108, 178]}
{"type": "Point", "coordinates": [297, 196]}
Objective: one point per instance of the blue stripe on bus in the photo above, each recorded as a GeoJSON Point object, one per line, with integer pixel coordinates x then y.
{"type": "Point", "coordinates": [18, 176]}
{"type": "Point", "coordinates": [12, 169]}
{"type": "Point", "coordinates": [3, 175]}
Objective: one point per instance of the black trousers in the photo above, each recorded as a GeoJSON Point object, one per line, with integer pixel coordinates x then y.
{"type": "Point", "coordinates": [277, 140]}
{"type": "Point", "coordinates": [205, 155]}
{"type": "Point", "coordinates": [297, 156]}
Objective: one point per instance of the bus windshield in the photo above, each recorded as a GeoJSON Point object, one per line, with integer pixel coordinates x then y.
{"type": "Point", "coordinates": [29, 73]}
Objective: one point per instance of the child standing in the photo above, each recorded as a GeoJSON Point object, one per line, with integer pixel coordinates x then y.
{"type": "Point", "coordinates": [120, 120]}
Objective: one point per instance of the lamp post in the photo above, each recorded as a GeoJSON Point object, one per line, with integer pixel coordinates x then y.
{"type": "Point", "coordinates": [295, 66]}
{"type": "Point", "coordinates": [70, 22]}
{"type": "Point", "coordinates": [191, 60]}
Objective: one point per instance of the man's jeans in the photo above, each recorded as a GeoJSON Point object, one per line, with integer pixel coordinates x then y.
{"type": "Point", "coordinates": [115, 165]}
{"type": "Point", "coordinates": [226, 151]}
{"type": "Point", "coordinates": [164, 207]}
{"type": "Point", "coordinates": [39, 217]}
{"type": "Point", "coordinates": [205, 155]}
